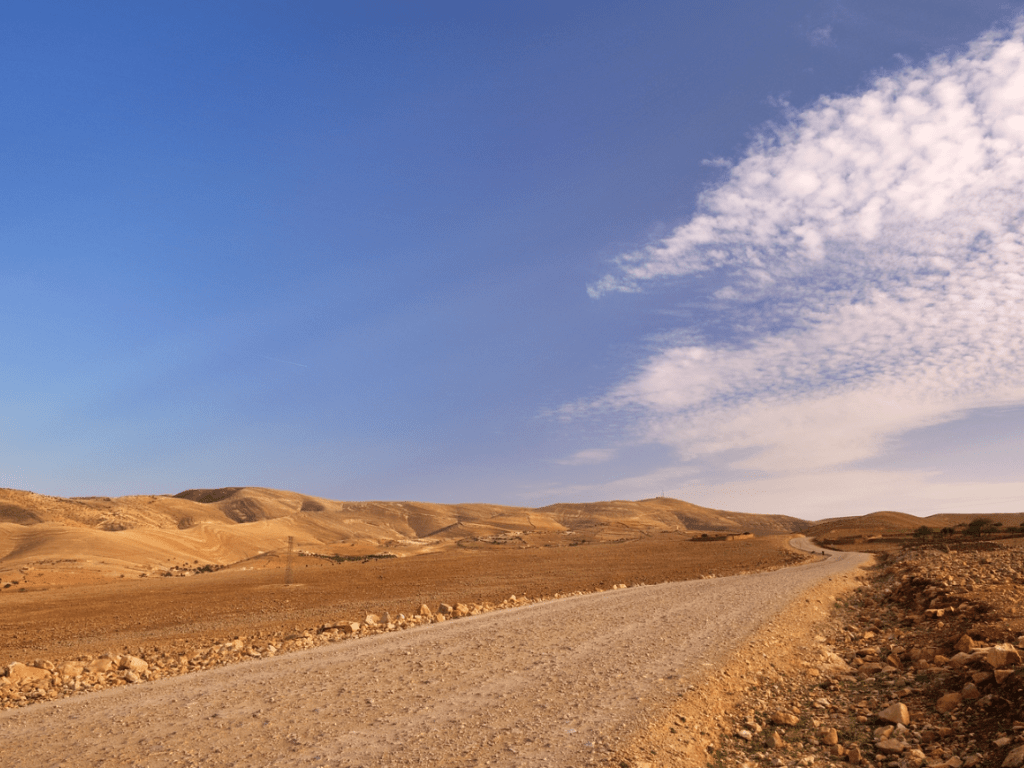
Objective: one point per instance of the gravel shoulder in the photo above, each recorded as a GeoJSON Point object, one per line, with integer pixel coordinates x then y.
{"type": "Point", "coordinates": [564, 682]}
{"type": "Point", "coordinates": [918, 666]}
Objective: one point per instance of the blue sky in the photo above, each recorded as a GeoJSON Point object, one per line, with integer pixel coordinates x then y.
{"type": "Point", "coordinates": [763, 257]}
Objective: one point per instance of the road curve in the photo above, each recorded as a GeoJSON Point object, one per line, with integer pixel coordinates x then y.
{"type": "Point", "coordinates": [556, 683]}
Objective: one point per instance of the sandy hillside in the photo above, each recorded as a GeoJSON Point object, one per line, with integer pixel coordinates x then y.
{"type": "Point", "coordinates": [894, 523]}
{"type": "Point", "coordinates": [228, 525]}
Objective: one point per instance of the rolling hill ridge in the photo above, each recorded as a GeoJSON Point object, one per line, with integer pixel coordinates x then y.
{"type": "Point", "coordinates": [227, 525]}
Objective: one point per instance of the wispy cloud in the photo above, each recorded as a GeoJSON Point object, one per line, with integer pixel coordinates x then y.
{"type": "Point", "coordinates": [873, 259]}
{"type": "Point", "coordinates": [822, 36]}
{"type": "Point", "coordinates": [285, 362]}
{"type": "Point", "coordinates": [589, 456]}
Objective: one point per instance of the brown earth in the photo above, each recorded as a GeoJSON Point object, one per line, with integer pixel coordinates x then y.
{"type": "Point", "coordinates": [173, 615]}
{"type": "Point", "coordinates": [560, 682]}
{"type": "Point", "coordinates": [87, 575]}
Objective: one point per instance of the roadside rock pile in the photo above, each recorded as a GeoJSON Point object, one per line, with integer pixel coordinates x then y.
{"type": "Point", "coordinates": [921, 667]}
{"type": "Point", "coordinates": [42, 680]}
{"type": "Point", "coordinates": [190, 570]}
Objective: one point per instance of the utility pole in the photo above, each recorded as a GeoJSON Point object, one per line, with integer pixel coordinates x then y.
{"type": "Point", "coordinates": [288, 566]}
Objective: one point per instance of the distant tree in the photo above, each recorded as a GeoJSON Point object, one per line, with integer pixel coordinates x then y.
{"type": "Point", "coordinates": [947, 531]}
{"type": "Point", "coordinates": [923, 531]}
{"type": "Point", "coordinates": [979, 525]}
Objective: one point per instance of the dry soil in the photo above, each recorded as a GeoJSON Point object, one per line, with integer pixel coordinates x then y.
{"type": "Point", "coordinates": [562, 682]}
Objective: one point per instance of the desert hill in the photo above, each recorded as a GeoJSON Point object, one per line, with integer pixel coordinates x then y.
{"type": "Point", "coordinates": [223, 526]}
{"type": "Point", "coordinates": [667, 514]}
{"type": "Point", "coordinates": [890, 523]}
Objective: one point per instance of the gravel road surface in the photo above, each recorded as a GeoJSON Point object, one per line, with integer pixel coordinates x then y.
{"type": "Point", "coordinates": [554, 683]}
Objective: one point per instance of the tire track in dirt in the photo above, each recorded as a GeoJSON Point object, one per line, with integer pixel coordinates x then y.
{"type": "Point", "coordinates": [564, 682]}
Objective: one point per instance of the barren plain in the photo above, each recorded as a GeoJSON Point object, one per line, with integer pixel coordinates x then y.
{"type": "Point", "coordinates": [114, 614]}
{"type": "Point", "coordinates": [168, 574]}
{"type": "Point", "coordinates": [561, 682]}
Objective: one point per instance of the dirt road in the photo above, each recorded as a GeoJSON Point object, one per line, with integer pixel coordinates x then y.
{"type": "Point", "coordinates": [58, 618]}
{"type": "Point", "coordinates": [556, 683]}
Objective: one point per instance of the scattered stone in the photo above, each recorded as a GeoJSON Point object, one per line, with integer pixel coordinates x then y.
{"type": "Point", "coordinates": [71, 669]}
{"type": "Point", "coordinates": [947, 693]}
{"type": "Point", "coordinates": [890, 746]}
{"type": "Point", "coordinates": [133, 664]}
{"type": "Point", "coordinates": [784, 718]}
{"type": "Point", "coordinates": [1014, 758]}
{"type": "Point", "coordinates": [949, 702]}
{"type": "Point", "coordinates": [828, 736]}
{"type": "Point", "coordinates": [18, 673]}
{"type": "Point", "coordinates": [970, 692]}
{"type": "Point", "coordinates": [1002, 655]}
{"type": "Point", "coordinates": [965, 644]}
{"type": "Point", "coordinates": [853, 755]}
{"type": "Point", "coordinates": [896, 713]}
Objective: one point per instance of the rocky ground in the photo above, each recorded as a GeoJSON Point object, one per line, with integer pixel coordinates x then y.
{"type": "Point", "coordinates": [915, 662]}
{"type": "Point", "coordinates": [66, 642]}
{"type": "Point", "coordinates": [42, 680]}
{"type": "Point", "coordinates": [561, 682]}
{"type": "Point", "coordinates": [919, 665]}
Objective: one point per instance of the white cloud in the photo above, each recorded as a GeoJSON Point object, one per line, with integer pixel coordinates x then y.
{"type": "Point", "coordinates": [873, 260]}
{"type": "Point", "coordinates": [589, 456]}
